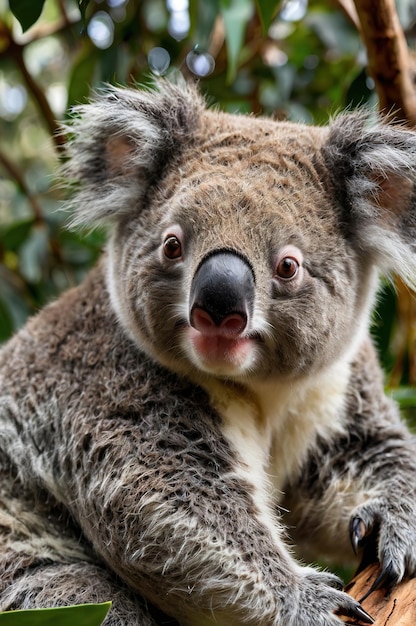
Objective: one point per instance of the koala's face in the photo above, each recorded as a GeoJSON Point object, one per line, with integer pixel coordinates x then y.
{"type": "Point", "coordinates": [239, 259]}
{"type": "Point", "coordinates": [242, 270]}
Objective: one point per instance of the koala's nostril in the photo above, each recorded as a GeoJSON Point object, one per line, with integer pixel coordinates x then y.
{"type": "Point", "coordinates": [202, 321]}
{"type": "Point", "coordinates": [231, 326]}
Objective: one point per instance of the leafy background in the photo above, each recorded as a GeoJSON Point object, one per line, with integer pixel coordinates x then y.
{"type": "Point", "coordinates": [287, 59]}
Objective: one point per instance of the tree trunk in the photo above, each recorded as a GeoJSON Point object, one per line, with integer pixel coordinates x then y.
{"type": "Point", "coordinates": [395, 607]}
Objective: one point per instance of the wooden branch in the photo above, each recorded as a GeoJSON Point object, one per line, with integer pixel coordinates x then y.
{"type": "Point", "coordinates": [394, 607]}
{"type": "Point", "coordinates": [388, 58]}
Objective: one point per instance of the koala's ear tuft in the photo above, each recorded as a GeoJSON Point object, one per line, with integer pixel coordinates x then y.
{"type": "Point", "coordinates": [373, 172]}
{"type": "Point", "coordinates": [121, 143]}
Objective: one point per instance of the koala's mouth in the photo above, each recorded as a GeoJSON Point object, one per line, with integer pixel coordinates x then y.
{"type": "Point", "coordinates": [219, 353]}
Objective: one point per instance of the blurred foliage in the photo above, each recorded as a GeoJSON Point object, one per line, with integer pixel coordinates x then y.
{"type": "Point", "coordinates": [280, 58]}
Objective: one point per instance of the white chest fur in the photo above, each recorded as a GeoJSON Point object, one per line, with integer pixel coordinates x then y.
{"type": "Point", "coordinates": [272, 425]}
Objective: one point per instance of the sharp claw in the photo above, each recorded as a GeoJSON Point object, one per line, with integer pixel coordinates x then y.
{"type": "Point", "coordinates": [386, 575]}
{"type": "Point", "coordinates": [357, 533]}
{"type": "Point", "coordinates": [358, 613]}
{"type": "Point", "coordinates": [386, 578]}
{"type": "Point", "coordinates": [364, 616]}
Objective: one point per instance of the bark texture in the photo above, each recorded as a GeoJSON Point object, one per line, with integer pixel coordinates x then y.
{"type": "Point", "coordinates": [388, 607]}
{"type": "Point", "coordinates": [389, 61]}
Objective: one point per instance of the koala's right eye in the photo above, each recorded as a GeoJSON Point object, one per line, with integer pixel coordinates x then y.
{"type": "Point", "coordinates": [172, 247]}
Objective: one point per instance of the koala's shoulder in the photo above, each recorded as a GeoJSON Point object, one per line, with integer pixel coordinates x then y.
{"type": "Point", "coordinates": [366, 397]}
{"type": "Point", "coordinates": [68, 330]}
{"type": "Point", "coordinates": [75, 352]}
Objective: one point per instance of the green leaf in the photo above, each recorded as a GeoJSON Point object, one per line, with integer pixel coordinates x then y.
{"type": "Point", "coordinates": [33, 254]}
{"type": "Point", "coordinates": [14, 235]}
{"type": "Point", "coordinates": [203, 15]}
{"type": "Point", "coordinates": [81, 615]}
{"type": "Point", "coordinates": [267, 10]}
{"type": "Point", "coordinates": [82, 77]}
{"type": "Point", "coordinates": [236, 14]}
{"type": "Point", "coordinates": [6, 322]}
{"type": "Point", "coordinates": [83, 4]}
{"type": "Point", "coordinates": [26, 11]}
{"type": "Point", "coordinates": [405, 396]}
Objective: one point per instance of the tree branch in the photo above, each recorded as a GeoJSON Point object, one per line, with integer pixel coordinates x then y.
{"type": "Point", "coordinates": [389, 606]}
{"type": "Point", "coordinates": [388, 58]}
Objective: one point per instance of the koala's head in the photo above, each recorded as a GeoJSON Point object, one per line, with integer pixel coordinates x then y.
{"type": "Point", "coordinates": [242, 247]}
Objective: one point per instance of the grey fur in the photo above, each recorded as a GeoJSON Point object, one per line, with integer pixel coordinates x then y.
{"type": "Point", "coordinates": [136, 467]}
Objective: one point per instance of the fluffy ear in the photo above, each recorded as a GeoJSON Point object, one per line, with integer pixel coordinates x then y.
{"type": "Point", "coordinates": [120, 144]}
{"type": "Point", "coordinates": [373, 170]}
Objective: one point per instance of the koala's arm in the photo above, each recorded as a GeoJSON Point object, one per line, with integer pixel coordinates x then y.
{"type": "Point", "coordinates": [138, 458]}
{"type": "Point", "coordinates": [359, 489]}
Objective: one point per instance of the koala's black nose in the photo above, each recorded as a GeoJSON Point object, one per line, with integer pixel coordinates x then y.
{"type": "Point", "coordinates": [222, 294]}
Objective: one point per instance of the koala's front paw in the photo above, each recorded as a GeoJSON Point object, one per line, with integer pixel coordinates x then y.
{"type": "Point", "coordinates": [320, 597]}
{"type": "Point", "coordinates": [388, 533]}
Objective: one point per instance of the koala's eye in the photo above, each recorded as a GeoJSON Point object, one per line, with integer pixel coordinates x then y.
{"type": "Point", "coordinates": [172, 247]}
{"type": "Point", "coordinates": [287, 268]}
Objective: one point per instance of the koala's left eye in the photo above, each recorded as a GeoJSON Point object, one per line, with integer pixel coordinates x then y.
{"type": "Point", "coordinates": [287, 268]}
{"type": "Point", "coordinates": [172, 247]}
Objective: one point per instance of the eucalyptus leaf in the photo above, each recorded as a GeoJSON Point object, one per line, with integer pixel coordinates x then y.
{"type": "Point", "coordinates": [81, 77]}
{"type": "Point", "coordinates": [15, 234]}
{"type": "Point", "coordinates": [83, 4]}
{"type": "Point", "coordinates": [405, 396]}
{"type": "Point", "coordinates": [33, 254]}
{"type": "Point", "coordinates": [203, 14]}
{"type": "Point", "coordinates": [267, 10]}
{"type": "Point", "coordinates": [15, 300]}
{"type": "Point", "coordinates": [236, 15]}
{"type": "Point", "coordinates": [6, 323]}
{"type": "Point", "coordinates": [26, 11]}
{"type": "Point", "coordinates": [81, 615]}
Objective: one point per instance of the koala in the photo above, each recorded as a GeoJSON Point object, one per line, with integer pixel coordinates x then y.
{"type": "Point", "coordinates": [205, 413]}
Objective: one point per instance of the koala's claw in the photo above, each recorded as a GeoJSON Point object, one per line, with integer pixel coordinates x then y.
{"type": "Point", "coordinates": [324, 588]}
{"type": "Point", "coordinates": [358, 532]}
{"type": "Point", "coordinates": [357, 612]}
{"type": "Point", "coordinates": [387, 578]}
{"type": "Point", "coordinates": [385, 533]}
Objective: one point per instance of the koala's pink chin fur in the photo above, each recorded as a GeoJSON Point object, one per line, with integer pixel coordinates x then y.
{"type": "Point", "coordinates": [218, 351]}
